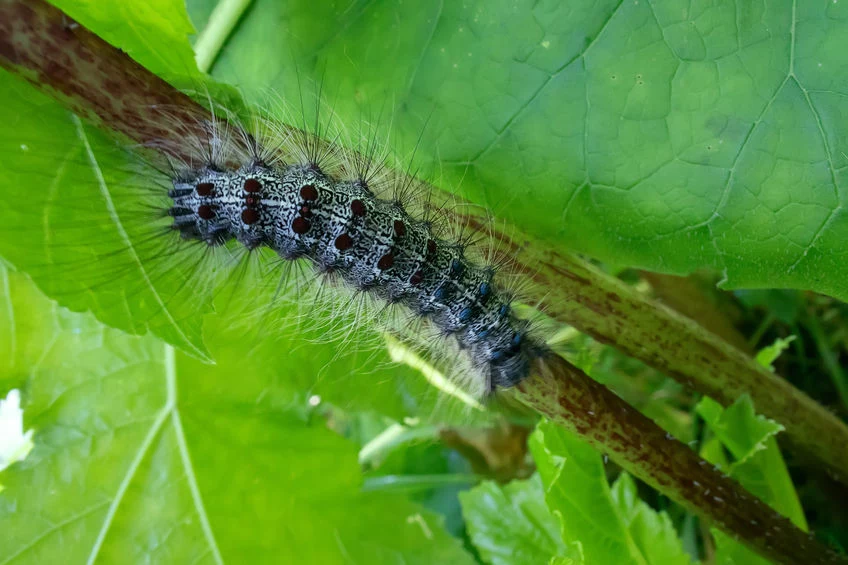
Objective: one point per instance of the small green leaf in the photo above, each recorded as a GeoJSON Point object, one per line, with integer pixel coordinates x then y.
{"type": "Point", "coordinates": [738, 427]}
{"type": "Point", "coordinates": [652, 531]}
{"type": "Point", "coordinates": [769, 354]}
{"type": "Point", "coordinates": [612, 526]}
{"type": "Point", "coordinates": [577, 492]}
{"type": "Point", "coordinates": [511, 525]}
{"type": "Point", "coordinates": [758, 466]}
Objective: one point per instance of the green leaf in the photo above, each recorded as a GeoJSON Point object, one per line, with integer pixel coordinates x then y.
{"type": "Point", "coordinates": [768, 355]}
{"type": "Point", "coordinates": [758, 466]}
{"type": "Point", "coordinates": [738, 427]}
{"type": "Point", "coordinates": [652, 531]}
{"type": "Point", "coordinates": [511, 525]}
{"type": "Point", "coordinates": [144, 454]}
{"type": "Point", "coordinates": [88, 241]}
{"type": "Point", "coordinates": [612, 526]}
{"type": "Point", "coordinates": [714, 137]}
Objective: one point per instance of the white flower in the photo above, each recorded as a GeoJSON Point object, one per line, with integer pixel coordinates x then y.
{"type": "Point", "coordinates": [15, 445]}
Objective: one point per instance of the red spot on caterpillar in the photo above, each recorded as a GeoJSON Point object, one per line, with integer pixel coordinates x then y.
{"type": "Point", "coordinates": [400, 228]}
{"type": "Point", "coordinates": [305, 211]}
{"type": "Point", "coordinates": [358, 207]}
{"type": "Point", "coordinates": [300, 225]}
{"type": "Point", "coordinates": [252, 185]}
{"type": "Point", "coordinates": [205, 211]}
{"type": "Point", "coordinates": [249, 216]}
{"type": "Point", "coordinates": [309, 192]}
{"type": "Point", "coordinates": [204, 188]}
{"type": "Point", "coordinates": [386, 261]}
{"type": "Point", "coordinates": [416, 277]}
{"type": "Point", "coordinates": [431, 247]}
{"type": "Point", "coordinates": [251, 201]}
{"type": "Point", "coordinates": [343, 242]}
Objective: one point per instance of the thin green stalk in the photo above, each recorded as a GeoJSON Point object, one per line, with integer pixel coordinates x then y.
{"type": "Point", "coordinates": [223, 20]}
{"type": "Point", "coordinates": [761, 330]}
{"type": "Point", "coordinates": [392, 437]}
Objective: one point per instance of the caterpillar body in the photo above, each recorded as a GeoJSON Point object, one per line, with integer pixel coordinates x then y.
{"type": "Point", "coordinates": [374, 245]}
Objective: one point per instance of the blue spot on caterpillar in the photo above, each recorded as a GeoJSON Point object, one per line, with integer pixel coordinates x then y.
{"type": "Point", "coordinates": [372, 244]}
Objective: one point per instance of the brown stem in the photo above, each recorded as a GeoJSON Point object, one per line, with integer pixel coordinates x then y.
{"type": "Point", "coordinates": [689, 297]}
{"type": "Point", "coordinates": [567, 396]}
{"type": "Point", "coordinates": [101, 83]}
{"type": "Point", "coordinates": [92, 78]}
{"type": "Point", "coordinates": [615, 313]}
{"type": "Point", "coordinates": [612, 312]}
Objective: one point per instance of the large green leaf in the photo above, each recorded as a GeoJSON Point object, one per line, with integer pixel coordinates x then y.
{"type": "Point", "coordinates": [670, 136]}
{"type": "Point", "coordinates": [143, 454]}
{"type": "Point", "coordinates": [712, 135]}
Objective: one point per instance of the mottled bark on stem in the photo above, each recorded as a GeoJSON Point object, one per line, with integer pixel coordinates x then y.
{"type": "Point", "coordinates": [567, 396]}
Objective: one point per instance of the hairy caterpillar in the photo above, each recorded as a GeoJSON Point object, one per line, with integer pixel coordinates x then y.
{"type": "Point", "coordinates": [331, 206]}
{"type": "Point", "coordinates": [304, 209]}
{"type": "Point", "coordinates": [384, 255]}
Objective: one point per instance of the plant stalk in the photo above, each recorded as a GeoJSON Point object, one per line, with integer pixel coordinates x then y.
{"type": "Point", "coordinates": [614, 313]}
{"type": "Point", "coordinates": [567, 396]}
{"type": "Point", "coordinates": [224, 18]}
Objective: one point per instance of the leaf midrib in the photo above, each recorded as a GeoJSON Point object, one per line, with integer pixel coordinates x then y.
{"type": "Point", "coordinates": [169, 411]}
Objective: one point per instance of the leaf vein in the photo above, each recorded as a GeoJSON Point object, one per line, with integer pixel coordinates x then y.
{"type": "Point", "coordinates": [113, 214]}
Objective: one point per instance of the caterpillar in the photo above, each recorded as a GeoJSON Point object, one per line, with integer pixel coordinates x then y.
{"type": "Point", "coordinates": [234, 188]}
{"type": "Point", "coordinates": [242, 186]}
{"type": "Point", "coordinates": [328, 208]}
